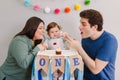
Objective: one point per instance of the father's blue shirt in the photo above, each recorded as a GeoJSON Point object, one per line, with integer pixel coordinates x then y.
{"type": "Point", "coordinates": [104, 48]}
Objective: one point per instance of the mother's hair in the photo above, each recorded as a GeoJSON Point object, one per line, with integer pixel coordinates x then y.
{"type": "Point", "coordinates": [31, 27]}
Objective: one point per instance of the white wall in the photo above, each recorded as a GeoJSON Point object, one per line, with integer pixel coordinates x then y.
{"type": "Point", "coordinates": [13, 15]}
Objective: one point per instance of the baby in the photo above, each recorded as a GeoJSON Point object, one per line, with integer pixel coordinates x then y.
{"type": "Point", "coordinates": [55, 41]}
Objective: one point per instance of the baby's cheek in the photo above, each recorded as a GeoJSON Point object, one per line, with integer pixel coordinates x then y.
{"type": "Point", "coordinates": [52, 36]}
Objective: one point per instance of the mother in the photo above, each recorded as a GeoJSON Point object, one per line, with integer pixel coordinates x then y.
{"type": "Point", "coordinates": [22, 51]}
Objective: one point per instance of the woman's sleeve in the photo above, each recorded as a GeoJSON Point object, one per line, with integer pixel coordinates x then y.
{"type": "Point", "coordinates": [22, 54]}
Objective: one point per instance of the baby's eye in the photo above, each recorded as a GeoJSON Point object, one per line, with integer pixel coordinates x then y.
{"type": "Point", "coordinates": [52, 32]}
{"type": "Point", "coordinates": [56, 31]}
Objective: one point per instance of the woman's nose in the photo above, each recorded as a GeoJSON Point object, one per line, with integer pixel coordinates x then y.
{"type": "Point", "coordinates": [43, 30]}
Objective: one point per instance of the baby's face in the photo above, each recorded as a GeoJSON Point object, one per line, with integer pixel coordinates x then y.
{"type": "Point", "coordinates": [54, 32]}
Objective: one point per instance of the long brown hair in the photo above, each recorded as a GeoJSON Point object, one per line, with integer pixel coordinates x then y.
{"type": "Point", "coordinates": [31, 27]}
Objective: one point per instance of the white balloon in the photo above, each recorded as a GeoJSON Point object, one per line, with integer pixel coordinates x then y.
{"type": "Point", "coordinates": [47, 10]}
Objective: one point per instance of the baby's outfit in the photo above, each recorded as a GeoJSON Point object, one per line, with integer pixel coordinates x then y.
{"type": "Point", "coordinates": [53, 44]}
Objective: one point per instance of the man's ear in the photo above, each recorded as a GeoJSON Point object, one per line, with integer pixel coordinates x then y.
{"type": "Point", "coordinates": [95, 27]}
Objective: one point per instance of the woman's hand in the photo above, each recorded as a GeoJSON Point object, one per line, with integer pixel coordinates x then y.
{"type": "Point", "coordinates": [45, 45]}
{"type": "Point", "coordinates": [42, 46]}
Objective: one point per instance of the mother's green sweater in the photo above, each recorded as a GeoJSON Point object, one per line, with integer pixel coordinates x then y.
{"type": "Point", "coordinates": [17, 65]}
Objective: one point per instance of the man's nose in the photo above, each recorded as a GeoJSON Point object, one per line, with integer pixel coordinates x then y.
{"type": "Point", "coordinates": [80, 27]}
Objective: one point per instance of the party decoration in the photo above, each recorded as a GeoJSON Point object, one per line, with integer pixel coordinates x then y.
{"type": "Point", "coordinates": [42, 63]}
{"type": "Point", "coordinates": [77, 6]}
{"type": "Point", "coordinates": [57, 11]}
{"type": "Point", "coordinates": [36, 7]}
{"type": "Point", "coordinates": [87, 2]}
{"type": "Point", "coordinates": [67, 64]}
{"type": "Point", "coordinates": [76, 63]}
{"type": "Point", "coordinates": [67, 10]}
{"type": "Point", "coordinates": [27, 3]}
{"type": "Point", "coordinates": [47, 10]}
{"type": "Point", "coordinates": [57, 63]}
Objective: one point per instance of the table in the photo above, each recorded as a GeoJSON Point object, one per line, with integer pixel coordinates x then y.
{"type": "Point", "coordinates": [47, 61]}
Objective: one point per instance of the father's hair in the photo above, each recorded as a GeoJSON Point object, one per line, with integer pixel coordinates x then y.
{"type": "Point", "coordinates": [94, 17]}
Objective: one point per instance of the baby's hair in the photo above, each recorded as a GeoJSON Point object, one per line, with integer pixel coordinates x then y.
{"type": "Point", "coordinates": [52, 25]}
